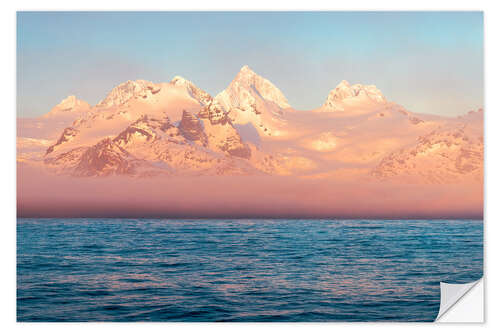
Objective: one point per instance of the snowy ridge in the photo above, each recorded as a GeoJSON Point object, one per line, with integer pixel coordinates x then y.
{"type": "Point", "coordinates": [127, 90]}
{"type": "Point", "coordinates": [345, 91]}
{"type": "Point", "coordinates": [445, 155]}
{"type": "Point", "coordinates": [198, 94]}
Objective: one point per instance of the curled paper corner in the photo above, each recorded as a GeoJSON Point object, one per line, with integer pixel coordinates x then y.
{"type": "Point", "coordinates": [461, 303]}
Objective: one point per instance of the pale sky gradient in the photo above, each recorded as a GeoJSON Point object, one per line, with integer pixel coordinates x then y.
{"type": "Point", "coordinates": [429, 62]}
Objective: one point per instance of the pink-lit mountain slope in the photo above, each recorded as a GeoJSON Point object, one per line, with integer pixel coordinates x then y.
{"type": "Point", "coordinates": [145, 129]}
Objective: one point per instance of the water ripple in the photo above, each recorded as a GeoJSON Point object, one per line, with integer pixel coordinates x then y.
{"type": "Point", "coordinates": [241, 270]}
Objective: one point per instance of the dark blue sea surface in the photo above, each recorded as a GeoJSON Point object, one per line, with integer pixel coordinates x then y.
{"type": "Point", "coordinates": [241, 270]}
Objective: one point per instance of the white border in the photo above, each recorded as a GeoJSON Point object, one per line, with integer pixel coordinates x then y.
{"type": "Point", "coordinates": [7, 132]}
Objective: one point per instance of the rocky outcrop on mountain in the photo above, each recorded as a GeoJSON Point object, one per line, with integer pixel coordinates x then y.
{"type": "Point", "coordinates": [105, 158]}
{"type": "Point", "coordinates": [66, 162]}
{"type": "Point", "coordinates": [128, 90]}
{"type": "Point", "coordinates": [144, 129]}
{"type": "Point", "coordinates": [192, 129]}
{"type": "Point", "coordinates": [153, 145]}
{"type": "Point", "coordinates": [214, 113]}
{"type": "Point", "coordinates": [412, 118]}
{"type": "Point", "coordinates": [445, 155]}
{"type": "Point", "coordinates": [233, 146]}
{"type": "Point", "coordinates": [67, 135]}
{"type": "Point", "coordinates": [344, 91]}
{"type": "Point", "coordinates": [195, 146]}
{"type": "Point", "coordinates": [415, 120]}
{"type": "Point", "coordinates": [221, 133]}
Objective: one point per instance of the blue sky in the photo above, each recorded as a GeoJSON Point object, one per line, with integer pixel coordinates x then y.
{"type": "Point", "coordinates": [430, 62]}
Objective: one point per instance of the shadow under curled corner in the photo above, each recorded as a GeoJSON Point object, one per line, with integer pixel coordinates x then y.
{"type": "Point", "coordinates": [461, 303]}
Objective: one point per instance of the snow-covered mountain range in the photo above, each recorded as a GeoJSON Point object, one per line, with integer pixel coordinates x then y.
{"type": "Point", "coordinates": [145, 129]}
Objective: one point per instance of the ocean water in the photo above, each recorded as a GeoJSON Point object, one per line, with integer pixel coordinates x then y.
{"type": "Point", "coordinates": [241, 270]}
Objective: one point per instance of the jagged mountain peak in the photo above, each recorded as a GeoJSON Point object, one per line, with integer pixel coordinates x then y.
{"type": "Point", "coordinates": [249, 89]}
{"type": "Point", "coordinates": [250, 98]}
{"type": "Point", "coordinates": [246, 71]}
{"type": "Point", "coordinates": [248, 80]}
